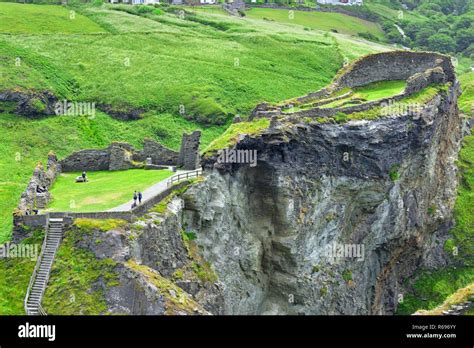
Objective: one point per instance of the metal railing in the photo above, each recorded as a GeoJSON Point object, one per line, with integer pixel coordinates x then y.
{"type": "Point", "coordinates": [37, 266]}
{"type": "Point", "coordinates": [184, 176]}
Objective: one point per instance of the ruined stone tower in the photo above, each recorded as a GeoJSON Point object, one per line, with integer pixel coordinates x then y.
{"type": "Point", "coordinates": [189, 153]}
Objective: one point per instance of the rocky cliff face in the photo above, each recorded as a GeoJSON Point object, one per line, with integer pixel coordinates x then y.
{"type": "Point", "coordinates": [331, 220]}
{"type": "Point", "coordinates": [158, 268]}
{"type": "Point", "coordinates": [382, 189]}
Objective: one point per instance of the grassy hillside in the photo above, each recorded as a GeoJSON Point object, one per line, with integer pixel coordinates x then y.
{"type": "Point", "coordinates": [212, 64]}
{"type": "Point", "coordinates": [319, 20]}
{"type": "Point", "coordinates": [389, 10]}
{"type": "Point", "coordinates": [44, 19]}
{"type": "Point", "coordinates": [213, 73]}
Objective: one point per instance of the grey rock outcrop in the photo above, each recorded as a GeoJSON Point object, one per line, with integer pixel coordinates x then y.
{"type": "Point", "coordinates": [160, 244]}
{"type": "Point", "coordinates": [37, 195]}
{"type": "Point", "coordinates": [31, 104]}
{"type": "Point", "coordinates": [386, 186]}
{"type": "Point", "coordinates": [142, 291]}
{"type": "Point", "coordinates": [155, 268]}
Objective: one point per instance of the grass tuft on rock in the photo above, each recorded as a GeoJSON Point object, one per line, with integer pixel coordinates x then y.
{"type": "Point", "coordinates": [104, 225]}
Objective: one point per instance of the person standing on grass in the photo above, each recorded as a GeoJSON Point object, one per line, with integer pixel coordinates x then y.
{"type": "Point", "coordinates": [140, 196]}
{"type": "Point", "coordinates": [84, 176]}
{"type": "Point", "coordinates": [135, 198]}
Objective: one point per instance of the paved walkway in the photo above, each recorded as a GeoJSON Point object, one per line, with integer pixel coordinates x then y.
{"type": "Point", "coordinates": [150, 192]}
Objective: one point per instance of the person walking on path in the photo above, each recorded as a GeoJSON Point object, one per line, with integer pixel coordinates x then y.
{"type": "Point", "coordinates": [135, 198]}
{"type": "Point", "coordinates": [140, 196]}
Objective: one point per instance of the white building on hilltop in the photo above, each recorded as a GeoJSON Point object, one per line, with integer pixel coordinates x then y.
{"type": "Point", "coordinates": [341, 2]}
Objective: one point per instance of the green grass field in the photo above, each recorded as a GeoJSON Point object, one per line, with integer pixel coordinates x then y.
{"type": "Point", "coordinates": [229, 137]}
{"type": "Point", "coordinates": [371, 92]}
{"type": "Point", "coordinates": [326, 21]}
{"type": "Point", "coordinates": [380, 90]}
{"type": "Point", "coordinates": [104, 190]}
{"type": "Point", "coordinates": [44, 19]}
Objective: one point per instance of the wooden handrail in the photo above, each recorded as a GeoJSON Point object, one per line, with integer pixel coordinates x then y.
{"type": "Point", "coordinates": [184, 176]}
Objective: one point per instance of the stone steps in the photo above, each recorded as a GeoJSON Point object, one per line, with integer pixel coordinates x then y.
{"type": "Point", "coordinates": [44, 263]}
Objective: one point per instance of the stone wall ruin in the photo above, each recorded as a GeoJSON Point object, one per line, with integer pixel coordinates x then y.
{"type": "Point", "coordinates": [122, 156]}
{"type": "Point", "coordinates": [419, 69]}
{"type": "Point", "coordinates": [37, 196]}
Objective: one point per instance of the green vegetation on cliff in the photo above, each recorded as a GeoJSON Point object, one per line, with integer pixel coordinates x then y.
{"type": "Point", "coordinates": [103, 225]}
{"type": "Point", "coordinates": [466, 101]}
{"type": "Point", "coordinates": [232, 133]}
{"type": "Point", "coordinates": [43, 20]}
{"type": "Point", "coordinates": [431, 288]}
{"type": "Point", "coordinates": [78, 278]}
{"type": "Point", "coordinates": [463, 231]}
{"type": "Point", "coordinates": [15, 274]}
{"type": "Point", "coordinates": [460, 296]}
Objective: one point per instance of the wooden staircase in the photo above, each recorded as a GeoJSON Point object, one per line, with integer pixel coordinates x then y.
{"type": "Point", "coordinates": [40, 277]}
